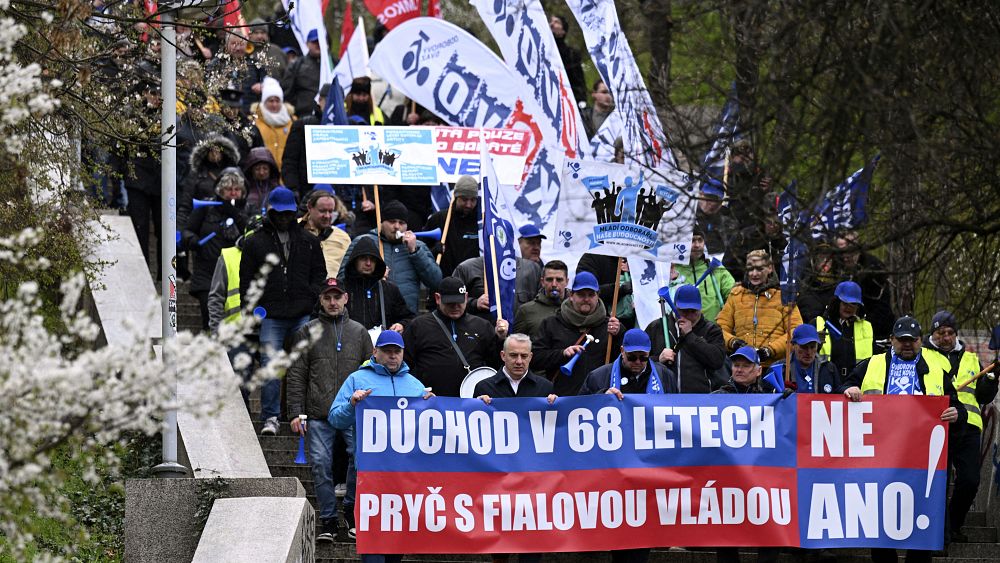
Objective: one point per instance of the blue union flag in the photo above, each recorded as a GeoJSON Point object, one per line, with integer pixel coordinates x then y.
{"type": "Point", "coordinates": [498, 243]}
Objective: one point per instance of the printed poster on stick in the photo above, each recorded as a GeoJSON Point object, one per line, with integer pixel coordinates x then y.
{"type": "Point", "coordinates": [413, 156]}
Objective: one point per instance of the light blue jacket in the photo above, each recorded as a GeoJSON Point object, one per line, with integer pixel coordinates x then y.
{"type": "Point", "coordinates": [382, 383]}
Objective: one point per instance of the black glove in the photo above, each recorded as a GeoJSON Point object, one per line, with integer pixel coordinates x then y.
{"type": "Point", "coordinates": [737, 344]}
{"type": "Point", "coordinates": [764, 353]}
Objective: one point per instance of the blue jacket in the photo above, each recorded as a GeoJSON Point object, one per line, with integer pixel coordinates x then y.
{"type": "Point", "coordinates": [382, 383]}
{"type": "Point", "coordinates": [405, 270]}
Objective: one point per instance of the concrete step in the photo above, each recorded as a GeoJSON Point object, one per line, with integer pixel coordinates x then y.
{"type": "Point", "coordinates": [976, 519]}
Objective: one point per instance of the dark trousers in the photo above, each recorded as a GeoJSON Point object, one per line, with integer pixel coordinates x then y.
{"type": "Point", "coordinates": [142, 206]}
{"type": "Point", "coordinates": [202, 297]}
{"type": "Point", "coordinates": [963, 456]}
{"type": "Point", "coordinates": [888, 555]}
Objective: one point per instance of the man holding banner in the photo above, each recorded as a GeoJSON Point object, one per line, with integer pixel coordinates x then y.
{"type": "Point", "coordinates": [904, 371]}
{"type": "Point", "coordinates": [384, 374]}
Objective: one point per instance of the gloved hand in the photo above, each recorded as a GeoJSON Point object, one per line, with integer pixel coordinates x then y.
{"type": "Point", "coordinates": [764, 353]}
{"type": "Point", "coordinates": [737, 344]}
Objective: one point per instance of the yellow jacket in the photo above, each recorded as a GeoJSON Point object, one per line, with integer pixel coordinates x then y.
{"type": "Point", "coordinates": [757, 319]}
{"type": "Point", "coordinates": [273, 138]}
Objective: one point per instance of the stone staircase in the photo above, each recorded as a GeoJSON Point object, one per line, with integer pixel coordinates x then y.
{"type": "Point", "coordinates": [280, 450]}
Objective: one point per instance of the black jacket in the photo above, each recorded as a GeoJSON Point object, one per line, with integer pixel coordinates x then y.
{"type": "Point", "coordinates": [369, 293]}
{"type": "Point", "coordinates": [199, 183]}
{"type": "Point", "coordinates": [599, 380]}
{"type": "Point", "coordinates": [701, 354]}
{"type": "Point", "coordinates": [827, 379]}
{"type": "Point", "coordinates": [498, 387]}
{"type": "Point", "coordinates": [301, 84]}
{"type": "Point", "coordinates": [294, 283]}
{"type": "Point", "coordinates": [554, 335]}
{"type": "Point", "coordinates": [463, 238]}
{"type": "Point", "coordinates": [432, 358]}
{"type": "Point", "coordinates": [294, 166]}
{"type": "Point", "coordinates": [203, 222]}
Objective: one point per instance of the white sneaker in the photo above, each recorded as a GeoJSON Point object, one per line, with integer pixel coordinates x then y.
{"type": "Point", "coordinates": [271, 427]}
{"type": "Point", "coordinates": [340, 490]}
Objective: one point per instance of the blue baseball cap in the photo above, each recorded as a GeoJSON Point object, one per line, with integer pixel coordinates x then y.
{"type": "Point", "coordinates": [713, 188]}
{"type": "Point", "coordinates": [585, 280]}
{"type": "Point", "coordinates": [804, 334]}
{"type": "Point", "coordinates": [747, 353]}
{"type": "Point", "coordinates": [389, 338]}
{"type": "Point", "coordinates": [281, 199]}
{"type": "Point", "coordinates": [848, 292]}
{"type": "Point", "coordinates": [530, 231]}
{"type": "Point", "coordinates": [687, 297]}
{"type": "Point", "coordinates": [636, 340]}
{"type": "Point", "coordinates": [289, 50]}
{"type": "Point", "coordinates": [313, 35]}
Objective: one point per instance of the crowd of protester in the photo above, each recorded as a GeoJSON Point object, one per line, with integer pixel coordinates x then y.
{"type": "Point", "coordinates": [399, 313]}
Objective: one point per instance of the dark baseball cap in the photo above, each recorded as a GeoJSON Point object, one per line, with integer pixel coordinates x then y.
{"type": "Point", "coordinates": [333, 284]}
{"type": "Point", "coordinates": [452, 290]}
{"type": "Point", "coordinates": [906, 327]}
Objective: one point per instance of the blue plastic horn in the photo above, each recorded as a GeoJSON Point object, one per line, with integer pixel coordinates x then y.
{"type": "Point", "coordinates": [775, 381]}
{"type": "Point", "coordinates": [664, 293]}
{"type": "Point", "coordinates": [712, 266]}
{"type": "Point", "coordinates": [300, 457]}
{"type": "Point", "coordinates": [567, 368]}
{"type": "Point", "coordinates": [199, 203]}
{"type": "Point", "coordinates": [434, 234]}
{"type": "Point", "coordinates": [833, 330]}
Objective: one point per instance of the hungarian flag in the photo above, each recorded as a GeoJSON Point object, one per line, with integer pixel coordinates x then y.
{"type": "Point", "coordinates": [346, 30]}
{"type": "Point", "coordinates": [391, 13]}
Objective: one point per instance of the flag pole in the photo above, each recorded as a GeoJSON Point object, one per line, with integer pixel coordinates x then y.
{"type": "Point", "coordinates": [444, 231]}
{"type": "Point", "coordinates": [496, 278]}
{"type": "Point", "coordinates": [788, 343]}
{"type": "Point", "coordinates": [378, 223]}
{"type": "Point", "coordinates": [614, 305]}
{"type": "Point", "coordinates": [725, 171]}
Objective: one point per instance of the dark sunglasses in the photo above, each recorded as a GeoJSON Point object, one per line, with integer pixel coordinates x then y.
{"type": "Point", "coordinates": [637, 357]}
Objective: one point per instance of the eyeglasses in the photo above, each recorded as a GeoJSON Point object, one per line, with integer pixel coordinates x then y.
{"type": "Point", "coordinates": [637, 357]}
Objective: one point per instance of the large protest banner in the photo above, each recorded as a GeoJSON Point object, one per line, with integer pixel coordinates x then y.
{"type": "Point", "coordinates": [451, 73]}
{"type": "Point", "coordinates": [625, 210]}
{"type": "Point", "coordinates": [414, 156]}
{"type": "Point", "coordinates": [457, 476]}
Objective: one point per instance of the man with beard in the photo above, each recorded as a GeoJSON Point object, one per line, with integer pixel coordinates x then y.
{"type": "Point", "coordinates": [291, 289]}
{"type": "Point", "coordinates": [564, 335]}
{"type": "Point", "coordinates": [555, 278]}
{"type": "Point", "coordinates": [359, 102]}
{"type": "Point", "coordinates": [442, 346]}
{"type": "Point", "coordinates": [301, 79]}
{"type": "Point", "coordinates": [906, 370]}
{"type": "Point", "coordinates": [462, 240]}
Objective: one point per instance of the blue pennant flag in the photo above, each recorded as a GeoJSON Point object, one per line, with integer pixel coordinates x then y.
{"type": "Point", "coordinates": [498, 242]}
{"type": "Point", "coordinates": [334, 112]}
{"type": "Point", "coordinates": [794, 223]}
{"type": "Point", "coordinates": [727, 132]}
{"type": "Point", "coordinates": [440, 197]}
{"type": "Point", "coordinates": [844, 207]}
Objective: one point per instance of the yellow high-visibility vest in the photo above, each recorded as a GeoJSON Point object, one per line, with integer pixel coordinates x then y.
{"type": "Point", "coordinates": [874, 382]}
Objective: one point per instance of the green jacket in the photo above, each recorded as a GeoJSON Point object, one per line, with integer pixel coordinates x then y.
{"type": "Point", "coordinates": [714, 290]}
